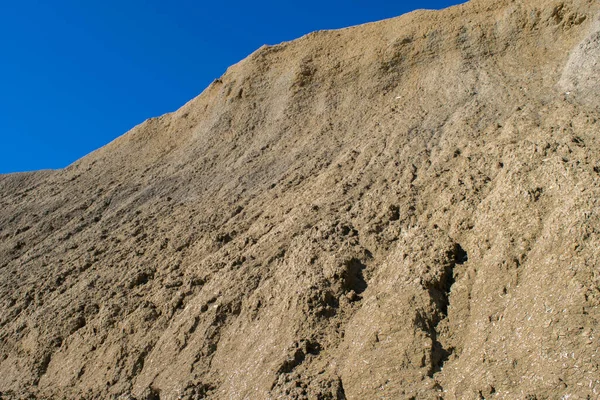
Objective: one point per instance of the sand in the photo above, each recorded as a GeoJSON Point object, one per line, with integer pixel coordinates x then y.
{"type": "Point", "coordinates": [406, 209]}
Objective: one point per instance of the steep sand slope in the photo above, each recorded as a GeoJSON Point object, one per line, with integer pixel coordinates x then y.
{"type": "Point", "coordinates": [404, 209]}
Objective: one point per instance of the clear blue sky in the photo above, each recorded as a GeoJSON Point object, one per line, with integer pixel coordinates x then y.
{"type": "Point", "coordinates": [76, 74]}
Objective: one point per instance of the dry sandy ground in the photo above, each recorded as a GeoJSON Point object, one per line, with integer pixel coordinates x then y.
{"type": "Point", "coordinates": [401, 210]}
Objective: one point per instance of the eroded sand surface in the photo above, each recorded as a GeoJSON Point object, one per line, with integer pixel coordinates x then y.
{"type": "Point", "coordinates": [404, 209]}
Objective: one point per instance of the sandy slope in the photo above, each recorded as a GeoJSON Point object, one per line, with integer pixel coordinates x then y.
{"type": "Point", "coordinates": [404, 209]}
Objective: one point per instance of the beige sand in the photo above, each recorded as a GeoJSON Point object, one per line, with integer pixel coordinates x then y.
{"type": "Point", "coordinates": [407, 209]}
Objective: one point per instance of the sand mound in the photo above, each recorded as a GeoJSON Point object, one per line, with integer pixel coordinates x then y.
{"type": "Point", "coordinates": [404, 209]}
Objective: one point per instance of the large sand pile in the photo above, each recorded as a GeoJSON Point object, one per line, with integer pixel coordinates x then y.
{"type": "Point", "coordinates": [404, 209]}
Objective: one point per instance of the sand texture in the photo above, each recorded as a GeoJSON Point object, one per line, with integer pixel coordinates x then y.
{"type": "Point", "coordinates": [407, 209]}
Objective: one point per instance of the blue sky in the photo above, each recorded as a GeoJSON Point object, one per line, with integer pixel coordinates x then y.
{"type": "Point", "coordinates": [76, 74]}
